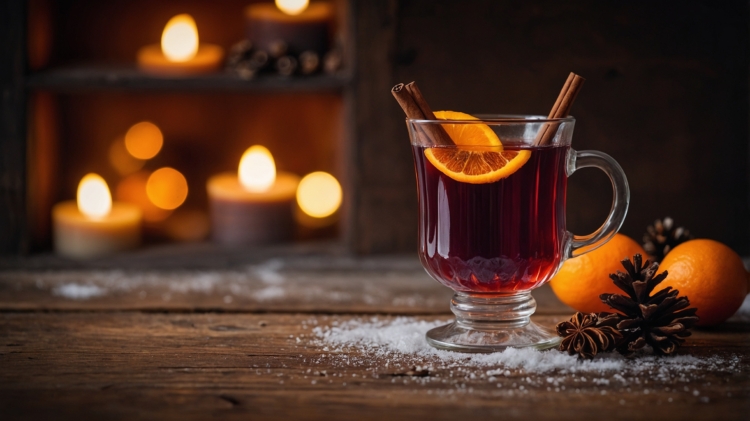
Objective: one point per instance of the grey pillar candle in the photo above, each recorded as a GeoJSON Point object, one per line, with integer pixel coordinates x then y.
{"type": "Point", "coordinates": [243, 217]}
{"type": "Point", "coordinates": [307, 31]}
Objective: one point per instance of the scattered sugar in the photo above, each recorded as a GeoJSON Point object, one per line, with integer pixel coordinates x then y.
{"type": "Point", "coordinates": [402, 339]}
{"type": "Point", "coordinates": [268, 272]}
{"type": "Point", "coordinates": [78, 292]}
{"type": "Point", "coordinates": [269, 293]}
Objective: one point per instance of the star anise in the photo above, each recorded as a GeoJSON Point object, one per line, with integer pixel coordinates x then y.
{"type": "Point", "coordinates": [661, 320]}
{"type": "Point", "coordinates": [589, 334]}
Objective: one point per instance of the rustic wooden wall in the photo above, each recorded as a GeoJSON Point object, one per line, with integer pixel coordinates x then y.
{"type": "Point", "coordinates": [13, 238]}
{"type": "Point", "coordinates": [666, 95]}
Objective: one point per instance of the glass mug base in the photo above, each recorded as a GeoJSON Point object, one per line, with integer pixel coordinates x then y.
{"type": "Point", "coordinates": [489, 323]}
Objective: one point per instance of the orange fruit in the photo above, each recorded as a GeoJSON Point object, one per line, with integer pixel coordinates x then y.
{"type": "Point", "coordinates": [478, 156]}
{"type": "Point", "coordinates": [581, 280]}
{"type": "Point", "coordinates": [710, 274]}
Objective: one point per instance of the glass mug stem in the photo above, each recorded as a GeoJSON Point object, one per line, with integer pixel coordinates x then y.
{"type": "Point", "coordinates": [581, 244]}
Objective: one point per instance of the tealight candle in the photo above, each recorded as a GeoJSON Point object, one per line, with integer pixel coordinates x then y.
{"type": "Point", "coordinates": [180, 52]}
{"type": "Point", "coordinates": [92, 225]}
{"type": "Point", "coordinates": [301, 26]}
{"type": "Point", "coordinates": [255, 205]}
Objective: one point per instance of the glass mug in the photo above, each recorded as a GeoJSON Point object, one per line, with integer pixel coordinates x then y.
{"type": "Point", "coordinates": [493, 243]}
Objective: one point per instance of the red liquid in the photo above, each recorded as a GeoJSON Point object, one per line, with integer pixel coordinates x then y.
{"type": "Point", "coordinates": [497, 237]}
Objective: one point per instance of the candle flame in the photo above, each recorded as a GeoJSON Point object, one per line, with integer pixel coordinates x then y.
{"type": "Point", "coordinates": [292, 7]}
{"type": "Point", "coordinates": [179, 41]}
{"type": "Point", "coordinates": [94, 199]}
{"type": "Point", "coordinates": [257, 171]}
{"type": "Point", "coordinates": [319, 194]}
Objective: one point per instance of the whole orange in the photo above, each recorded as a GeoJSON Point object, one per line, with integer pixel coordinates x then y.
{"type": "Point", "coordinates": [710, 274]}
{"type": "Point", "coordinates": [581, 280]}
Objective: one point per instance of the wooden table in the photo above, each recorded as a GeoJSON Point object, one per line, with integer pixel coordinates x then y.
{"type": "Point", "coordinates": [198, 333]}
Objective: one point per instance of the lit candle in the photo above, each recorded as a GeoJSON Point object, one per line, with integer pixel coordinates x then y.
{"type": "Point", "coordinates": [301, 26]}
{"type": "Point", "coordinates": [180, 52]}
{"type": "Point", "coordinates": [92, 225]}
{"type": "Point", "coordinates": [255, 205]}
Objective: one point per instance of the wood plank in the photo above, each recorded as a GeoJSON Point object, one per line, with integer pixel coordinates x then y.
{"type": "Point", "coordinates": [103, 78]}
{"type": "Point", "coordinates": [269, 366]}
{"type": "Point", "coordinates": [293, 282]}
{"type": "Point", "coordinates": [384, 206]}
{"type": "Point", "coordinates": [13, 235]}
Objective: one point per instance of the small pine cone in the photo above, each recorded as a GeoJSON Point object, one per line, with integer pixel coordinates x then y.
{"type": "Point", "coordinates": [238, 53]}
{"type": "Point", "coordinates": [278, 48]}
{"type": "Point", "coordinates": [333, 61]}
{"type": "Point", "coordinates": [286, 66]}
{"type": "Point", "coordinates": [661, 320]}
{"type": "Point", "coordinates": [309, 62]}
{"type": "Point", "coordinates": [663, 236]}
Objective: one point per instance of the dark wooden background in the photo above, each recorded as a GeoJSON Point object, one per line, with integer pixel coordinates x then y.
{"type": "Point", "coordinates": [666, 95]}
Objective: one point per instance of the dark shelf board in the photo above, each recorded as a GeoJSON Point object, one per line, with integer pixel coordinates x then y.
{"type": "Point", "coordinates": [98, 78]}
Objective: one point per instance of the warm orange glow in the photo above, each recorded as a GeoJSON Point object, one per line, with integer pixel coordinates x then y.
{"type": "Point", "coordinates": [144, 140]}
{"type": "Point", "coordinates": [292, 7]}
{"type": "Point", "coordinates": [257, 171]}
{"type": "Point", "coordinates": [121, 160]}
{"type": "Point", "coordinates": [319, 194]}
{"type": "Point", "coordinates": [167, 188]}
{"type": "Point", "coordinates": [94, 199]}
{"type": "Point", "coordinates": [179, 41]}
{"type": "Point", "coordinates": [132, 189]}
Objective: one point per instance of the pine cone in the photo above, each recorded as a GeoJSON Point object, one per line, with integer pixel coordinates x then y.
{"type": "Point", "coordinates": [661, 320]}
{"type": "Point", "coordinates": [662, 237]}
{"type": "Point", "coordinates": [588, 334]}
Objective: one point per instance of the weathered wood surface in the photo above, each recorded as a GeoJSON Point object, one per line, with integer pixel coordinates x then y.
{"type": "Point", "coordinates": [304, 281]}
{"type": "Point", "coordinates": [175, 333]}
{"type": "Point", "coordinates": [270, 366]}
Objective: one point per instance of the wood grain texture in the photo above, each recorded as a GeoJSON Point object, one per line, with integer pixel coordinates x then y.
{"type": "Point", "coordinates": [384, 205]}
{"type": "Point", "coordinates": [314, 282]}
{"type": "Point", "coordinates": [270, 366]}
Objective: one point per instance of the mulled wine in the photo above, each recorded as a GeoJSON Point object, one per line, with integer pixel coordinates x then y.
{"type": "Point", "coordinates": [501, 237]}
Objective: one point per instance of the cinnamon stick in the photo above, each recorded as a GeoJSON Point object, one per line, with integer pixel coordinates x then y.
{"type": "Point", "coordinates": [415, 106]}
{"type": "Point", "coordinates": [561, 109]}
{"type": "Point", "coordinates": [405, 100]}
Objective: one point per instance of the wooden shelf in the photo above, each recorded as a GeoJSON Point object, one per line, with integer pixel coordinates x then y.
{"type": "Point", "coordinates": [98, 78]}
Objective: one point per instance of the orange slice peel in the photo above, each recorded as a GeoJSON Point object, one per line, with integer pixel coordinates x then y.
{"type": "Point", "coordinates": [478, 156]}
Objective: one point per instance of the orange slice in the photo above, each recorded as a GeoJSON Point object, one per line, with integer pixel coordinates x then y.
{"type": "Point", "coordinates": [479, 156]}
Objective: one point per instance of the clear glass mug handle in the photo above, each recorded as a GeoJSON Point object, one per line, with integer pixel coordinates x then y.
{"type": "Point", "coordinates": [581, 244]}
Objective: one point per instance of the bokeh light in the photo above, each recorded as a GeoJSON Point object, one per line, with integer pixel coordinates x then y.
{"type": "Point", "coordinates": [132, 189]}
{"type": "Point", "coordinates": [144, 140]}
{"type": "Point", "coordinates": [187, 225]}
{"type": "Point", "coordinates": [319, 194]}
{"type": "Point", "coordinates": [167, 188]}
{"type": "Point", "coordinates": [121, 160]}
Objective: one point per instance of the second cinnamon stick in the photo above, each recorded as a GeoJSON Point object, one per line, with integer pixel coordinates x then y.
{"type": "Point", "coordinates": [561, 109]}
